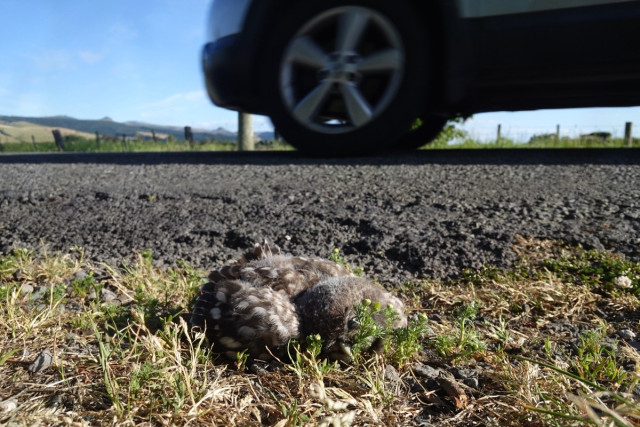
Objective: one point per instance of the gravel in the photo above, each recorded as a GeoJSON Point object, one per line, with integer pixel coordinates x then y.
{"type": "Point", "coordinates": [426, 214]}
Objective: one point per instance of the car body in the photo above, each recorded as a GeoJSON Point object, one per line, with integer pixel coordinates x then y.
{"type": "Point", "coordinates": [351, 76]}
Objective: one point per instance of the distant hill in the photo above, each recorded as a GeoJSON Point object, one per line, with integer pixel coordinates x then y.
{"type": "Point", "coordinates": [107, 127]}
{"type": "Point", "coordinates": [21, 131]}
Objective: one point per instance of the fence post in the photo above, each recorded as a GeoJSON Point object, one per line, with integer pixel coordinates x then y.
{"type": "Point", "coordinates": [97, 140]}
{"type": "Point", "coordinates": [245, 132]}
{"type": "Point", "coordinates": [499, 135]}
{"type": "Point", "coordinates": [57, 137]}
{"type": "Point", "coordinates": [557, 133]}
{"type": "Point", "coordinates": [628, 127]}
{"type": "Point", "coordinates": [33, 139]}
{"type": "Point", "coordinates": [188, 135]}
{"type": "Point", "coordinates": [153, 135]}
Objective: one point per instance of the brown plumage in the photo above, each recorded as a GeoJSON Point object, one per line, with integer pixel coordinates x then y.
{"type": "Point", "coordinates": [264, 300]}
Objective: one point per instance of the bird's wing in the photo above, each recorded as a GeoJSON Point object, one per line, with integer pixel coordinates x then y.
{"type": "Point", "coordinates": [236, 316]}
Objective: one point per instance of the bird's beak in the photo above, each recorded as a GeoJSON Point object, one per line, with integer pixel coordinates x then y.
{"type": "Point", "coordinates": [346, 349]}
{"type": "Point", "coordinates": [341, 351]}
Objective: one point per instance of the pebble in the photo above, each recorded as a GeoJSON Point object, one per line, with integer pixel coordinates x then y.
{"type": "Point", "coordinates": [626, 334]}
{"type": "Point", "coordinates": [8, 406]}
{"type": "Point", "coordinates": [108, 296]}
{"type": "Point", "coordinates": [26, 289]}
{"type": "Point", "coordinates": [80, 275]}
{"type": "Point", "coordinates": [471, 382]}
{"type": "Point", "coordinates": [42, 362]}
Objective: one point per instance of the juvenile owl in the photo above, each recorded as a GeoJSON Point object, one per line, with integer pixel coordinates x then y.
{"type": "Point", "coordinates": [264, 300]}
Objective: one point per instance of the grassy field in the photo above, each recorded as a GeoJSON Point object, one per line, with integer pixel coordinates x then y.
{"type": "Point", "coordinates": [17, 138]}
{"type": "Point", "coordinates": [548, 342]}
{"type": "Point", "coordinates": [22, 133]}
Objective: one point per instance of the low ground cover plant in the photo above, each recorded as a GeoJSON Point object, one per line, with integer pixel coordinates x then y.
{"type": "Point", "coordinates": [550, 341]}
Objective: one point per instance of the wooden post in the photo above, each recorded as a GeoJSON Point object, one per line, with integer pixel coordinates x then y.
{"type": "Point", "coordinates": [499, 133]}
{"type": "Point", "coordinates": [153, 135]}
{"type": "Point", "coordinates": [557, 133]}
{"type": "Point", "coordinates": [124, 140]}
{"type": "Point", "coordinates": [628, 127]}
{"type": "Point", "coordinates": [98, 140]}
{"type": "Point", "coordinates": [188, 135]}
{"type": "Point", "coordinates": [33, 139]}
{"type": "Point", "coordinates": [57, 137]}
{"type": "Point", "coordinates": [245, 132]}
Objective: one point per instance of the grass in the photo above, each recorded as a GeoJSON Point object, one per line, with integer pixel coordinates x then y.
{"type": "Point", "coordinates": [540, 338]}
{"type": "Point", "coordinates": [503, 143]}
{"type": "Point", "coordinates": [84, 143]}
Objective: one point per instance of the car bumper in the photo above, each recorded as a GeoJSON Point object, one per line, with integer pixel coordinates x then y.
{"type": "Point", "coordinates": [227, 73]}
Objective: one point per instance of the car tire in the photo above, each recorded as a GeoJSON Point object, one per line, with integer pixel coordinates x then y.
{"type": "Point", "coordinates": [429, 129]}
{"type": "Point", "coordinates": [346, 78]}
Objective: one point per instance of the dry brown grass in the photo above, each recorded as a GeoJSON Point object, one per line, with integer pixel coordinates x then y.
{"type": "Point", "coordinates": [541, 344]}
{"type": "Point", "coordinates": [23, 132]}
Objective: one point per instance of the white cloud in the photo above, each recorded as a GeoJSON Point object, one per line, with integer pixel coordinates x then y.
{"type": "Point", "coordinates": [51, 60]}
{"type": "Point", "coordinates": [123, 31]}
{"type": "Point", "coordinates": [91, 57]}
{"type": "Point", "coordinates": [173, 107]}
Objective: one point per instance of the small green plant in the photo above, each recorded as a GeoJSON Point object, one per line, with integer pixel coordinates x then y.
{"type": "Point", "coordinates": [596, 361]}
{"type": "Point", "coordinates": [292, 414]}
{"type": "Point", "coordinates": [376, 330]}
{"type": "Point", "coordinates": [339, 259]}
{"type": "Point", "coordinates": [463, 341]}
{"type": "Point", "coordinates": [407, 343]}
{"type": "Point", "coordinates": [305, 359]}
{"type": "Point", "coordinates": [10, 264]}
{"type": "Point", "coordinates": [81, 287]}
{"type": "Point", "coordinates": [241, 360]}
{"type": "Point", "coordinates": [605, 270]}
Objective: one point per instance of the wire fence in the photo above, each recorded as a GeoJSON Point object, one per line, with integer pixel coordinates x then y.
{"type": "Point", "coordinates": [523, 134]}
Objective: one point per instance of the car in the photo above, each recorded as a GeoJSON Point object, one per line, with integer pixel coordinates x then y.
{"type": "Point", "coordinates": [347, 77]}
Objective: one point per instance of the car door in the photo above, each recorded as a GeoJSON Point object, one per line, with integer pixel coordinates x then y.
{"type": "Point", "coordinates": [560, 52]}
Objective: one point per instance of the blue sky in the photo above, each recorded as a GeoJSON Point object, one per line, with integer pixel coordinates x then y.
{"type": "Point", "coordinates": [139, 60]}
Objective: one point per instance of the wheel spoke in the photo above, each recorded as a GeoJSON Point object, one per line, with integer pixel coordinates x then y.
{"type": "Point", "coordinates": [305, 51]}
{"type": "Point", "coordinates": [385, 60]}
{"type": "Point", "coordinates": [308, 108]}
{"type": "Point", "coordinates": [351, 26]}
{"type": "Point", "coordinates": [358, 108]}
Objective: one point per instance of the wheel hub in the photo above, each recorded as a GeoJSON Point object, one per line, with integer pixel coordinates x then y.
{"type": "Point", "coordinates": [341, 80]}
{"type": "Point", "coordinates": [342, 68]}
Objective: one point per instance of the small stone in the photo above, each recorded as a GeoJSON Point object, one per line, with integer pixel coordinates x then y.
{"type": "Point", "coordinates": [55, 401]}
{"type": "Point", "coordinates": [107, 296]}
{"type": "Point", "coordinates": [462, 373]}
{"type": "Point", "coordinates": [471, 382]}
{"type": "Point", "coordinates": [42, 362]}
{"type": "Point", "coordinates": [426, 371]}
{"type": "Point", "coordinates": [80, 275]}
{"type": "Point", "coordinates": [8, 406]}
{"type": "Point", "coordinates": [626, 334]}
{"type": "Point", "coordinates": [26, 289]}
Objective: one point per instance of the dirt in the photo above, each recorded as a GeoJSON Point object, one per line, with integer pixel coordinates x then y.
{"type": "Point", "coordinates": [427, 214]}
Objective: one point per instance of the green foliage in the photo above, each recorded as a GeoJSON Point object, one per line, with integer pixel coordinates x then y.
{"type": "Point", "coordinates": [82, 286]}
{"type": "Point", "coordinates": [595, 360]}
{"type": "Point", "coordinates": [10, 264]}
{"type": "Point", "coordinates": [305, 358]}
{"type": "Point", "coordinates": [463, 341]}
{"type": "Point", "coordinates": [604, 270]}
{"type": "Point", "coordinates": [338, 259]}
{"type": "Point", "coordinates": [376, 330]}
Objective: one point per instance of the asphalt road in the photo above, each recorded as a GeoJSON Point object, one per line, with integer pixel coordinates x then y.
{"type": "Point", "coordinates": [399, 217]}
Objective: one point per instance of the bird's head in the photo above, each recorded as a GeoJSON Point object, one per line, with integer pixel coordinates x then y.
{"type": "Point", "coordinates": [330, 309]}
